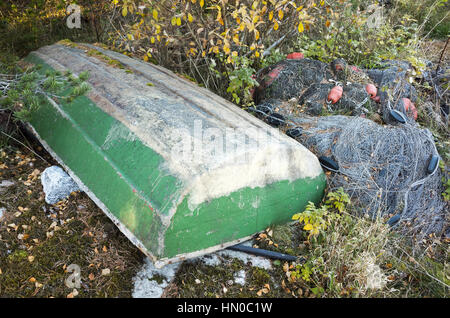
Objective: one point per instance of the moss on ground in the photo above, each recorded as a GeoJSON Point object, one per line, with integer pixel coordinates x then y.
{"type": "Point", "coordinates": [38, 241]}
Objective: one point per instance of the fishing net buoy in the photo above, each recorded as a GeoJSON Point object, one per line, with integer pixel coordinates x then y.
{"type": "Point", "coordinates": [265, 108]}
{"type": "Point", "coordinates": [294, 132]}
{"type": "Point", "coordinates": [393, 220]}
{"type": "Point", "coordinates": [335, 94]}
{"type": "Point", "coordinates": [414, 111]}
{"type": "Point", "coordinates": [432, 165]}
{"type": "Point", "coordinates": [275, 119]}
{"type": "Point", "coordinates": [295, 56]}
{"type": "Point", "coordinates": [328, 163]}
{"type": "Point", "coordinates": [398, 116]}
{"type": "Point", "coordinates": [409, 107]}
{"type": "Point", "coordinates": [371, 90]}
{"type": "Point", "coordinates": [406, 103]}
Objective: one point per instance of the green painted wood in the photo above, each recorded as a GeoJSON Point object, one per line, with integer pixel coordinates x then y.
{"type": "Point", "coordinates": [117, 147]}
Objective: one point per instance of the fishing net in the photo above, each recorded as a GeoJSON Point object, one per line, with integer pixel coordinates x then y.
{"type": "Point", "coordinates": [310, 81]}
{"type": "Point", "coordinates": [437, 78]}
{"type": "Point", "coordinates": [384, 168]}
{"type": "Point", "coordinates": [289, 78]}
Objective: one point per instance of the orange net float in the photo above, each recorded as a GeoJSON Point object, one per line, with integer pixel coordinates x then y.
{"type": "Point", "coordinates": [414, 111]}
{"type": "Point", "coordinates": [295, 56]}
{"type": "Point", "coordinates": [335, 94]}
{"type": "Point", "coordinates": [410, 107]}
{"type": "Point", "coordinates": [371, 90]}
{"type": "Point", "coordinates": [273, 74]}
{"type": "Point", "coordinates": [406, 103]}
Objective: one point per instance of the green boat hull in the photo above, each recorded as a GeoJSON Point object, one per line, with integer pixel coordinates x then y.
{"type": "Point", "coordinates": [170, 209]}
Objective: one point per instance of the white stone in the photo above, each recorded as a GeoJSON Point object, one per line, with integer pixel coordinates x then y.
{"type": "Point", "coordinates": [57, 184]}
{"type": "Point", "coordinates": [106, 272]}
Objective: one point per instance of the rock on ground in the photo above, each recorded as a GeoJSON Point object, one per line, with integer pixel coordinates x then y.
{"type": "Point", "coordinates": [57, 184]}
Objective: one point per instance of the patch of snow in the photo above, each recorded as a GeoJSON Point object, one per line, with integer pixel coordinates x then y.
{"type": "Point", "coordinates": [146, 284]}
{"type": "Point", "coordinates": [150, 281]}
{"type": "Point", "coordinates": [217, 258]}
{"type": "Point", "coordinates": [2, 211]}
{"type": "Point", "coordinates": [211, 259]}
{"type": "Point", "coordinates": [256, 261]}
{"type": "Point", "coordinates": [6, 183]}
{"type": "Point", "coordinates": [239, 277]}
{"type": "Point", "coordinates": [57, 184]}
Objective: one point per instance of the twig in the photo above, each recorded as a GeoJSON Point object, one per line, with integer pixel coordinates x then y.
{"type": "Point", "coordinates": [9, 136]}
{"type": "Point", "coordinates": [442, 55]}
{"type": "Point", "coordinates": [424, 271]}
{"type": "Point", "coordinates": [275, 44]}
{"type": "Point", "coordinates": [429, 32]}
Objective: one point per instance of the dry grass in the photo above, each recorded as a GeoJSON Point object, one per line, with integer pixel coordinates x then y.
{"type": "Point", "coordinates": [359, 257]}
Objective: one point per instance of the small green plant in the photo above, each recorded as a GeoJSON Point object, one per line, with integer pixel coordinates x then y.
{"type": "Point", "coordinates": [338, 200]}
{"type": "Point", "coordinates": [317, 219]}
{"type": "Point", "coordinates": [304, 272]}
{"type": "Point", "coordinates": [446, 182]}
{"type": "Point", "coordinates": [241, 81]}
{"type": "Point", "coordinates": [446, 193]}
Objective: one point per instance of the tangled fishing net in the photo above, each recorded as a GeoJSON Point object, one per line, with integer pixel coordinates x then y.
{"type": "Point", "coordinates": [388, 170]}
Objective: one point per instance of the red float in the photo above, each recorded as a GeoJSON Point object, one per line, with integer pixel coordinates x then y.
{"type": "Point", "coordinates": [273, 74]}
{"type": "Point", "coordinates": [295, 56]}
{"type": "Point", "coordinates": [410, 107]}
{"type": "Point", "coordinates": [371, 90]}
{"type": "Point", "coordinates": [335, 94]}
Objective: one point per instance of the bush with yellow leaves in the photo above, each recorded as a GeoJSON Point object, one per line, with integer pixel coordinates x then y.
{"type": "Point", "coordinates": [221, 43]}
{"type": "Point", "coordinates": [211, 41]}
{"type": "Point", "coordinates": [317, 219]}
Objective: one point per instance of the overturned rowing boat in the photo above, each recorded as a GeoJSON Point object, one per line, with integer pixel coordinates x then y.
{"type": "Point", "coordinates": [180, 171]}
